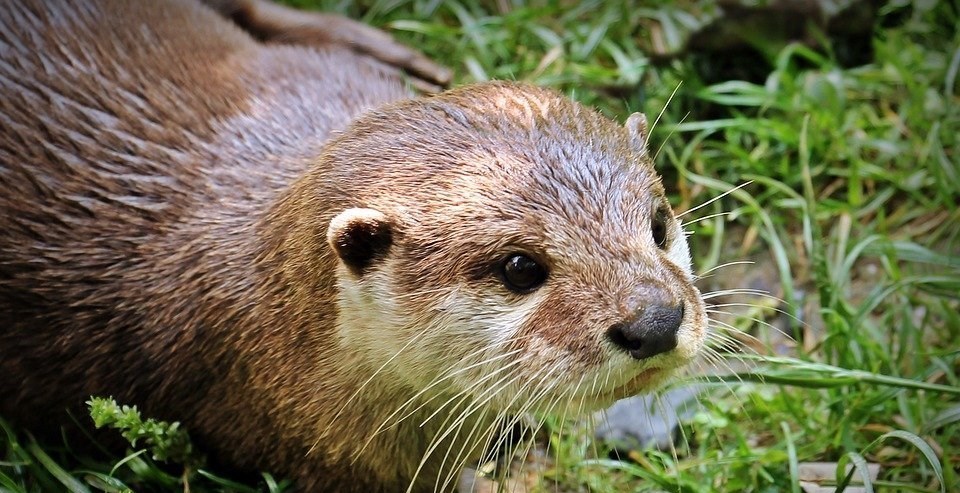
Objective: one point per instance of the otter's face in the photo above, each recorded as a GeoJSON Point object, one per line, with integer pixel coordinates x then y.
{"type": "Point", "coordinates": [511, 245]}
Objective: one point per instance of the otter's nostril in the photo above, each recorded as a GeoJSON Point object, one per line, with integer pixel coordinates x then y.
{"type": "Point", "coordinates": [651, 332]}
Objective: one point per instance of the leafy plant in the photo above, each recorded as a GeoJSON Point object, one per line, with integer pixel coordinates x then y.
{"type": "Point", "coordinates": [165, 441]}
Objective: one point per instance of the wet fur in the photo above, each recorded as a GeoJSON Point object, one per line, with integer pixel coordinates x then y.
{"type": "Point", "coordinates": [169, 184]}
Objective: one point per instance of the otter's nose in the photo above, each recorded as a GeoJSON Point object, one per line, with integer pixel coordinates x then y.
{"type": "Point", "coordinates": [652, 331]}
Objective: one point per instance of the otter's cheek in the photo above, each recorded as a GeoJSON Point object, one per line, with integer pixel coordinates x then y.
{"type": "Point", "coordinates": [369, 320]}
{"type": "Point", "coordinates": [479, 319]}
{"type": "Point", "coordinates": [474, 337]}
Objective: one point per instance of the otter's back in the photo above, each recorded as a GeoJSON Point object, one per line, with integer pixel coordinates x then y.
{"type": "Point", "coordinates": [130, 131]}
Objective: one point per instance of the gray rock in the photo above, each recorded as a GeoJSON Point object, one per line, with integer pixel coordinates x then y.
{"type": "Point", "coordinates": [646, 421]}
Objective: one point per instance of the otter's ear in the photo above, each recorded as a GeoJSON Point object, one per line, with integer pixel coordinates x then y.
{"type": "Point", "coordinates": [636, 127]}
{"type": "Point", "coordinates": [360, 237]}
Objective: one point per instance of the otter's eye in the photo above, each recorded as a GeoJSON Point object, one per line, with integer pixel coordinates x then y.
{"type": "Point", "coordinates": [658, 228]}
{"type": "Point", "coordinates": [522, 274]}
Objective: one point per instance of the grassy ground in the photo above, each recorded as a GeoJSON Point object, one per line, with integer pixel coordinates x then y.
{"type": "Point", "coordinates": [850, 206]}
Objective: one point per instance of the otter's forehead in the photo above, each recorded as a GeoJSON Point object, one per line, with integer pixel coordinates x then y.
{"type": "Point", "coordinates": [567, 201]}
{"type": "Point", "coordinates": [544, 166]}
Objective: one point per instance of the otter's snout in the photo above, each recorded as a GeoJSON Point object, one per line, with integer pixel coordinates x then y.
{"type": "Point", "coordinates": [652, 330]}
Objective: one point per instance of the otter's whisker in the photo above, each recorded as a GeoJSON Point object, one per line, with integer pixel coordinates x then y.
{"type": "Point", "coordinates": [670, 134]}
{"type": "Point", "coordinates": [752, 319]}
{"type": "Point", "coordinates": [594, 392]}
{"type": "Point", "coordinates": [664, 109]}
{"type": "Point", "coordinates": [385, 423]}
{"type": "Point", "coordinates": [467, 393]}
{"type": "Point", "coordinates": [660, 115]}
{"type": "Point", "coordinates": [491, 429]}
{"type": "Point", "coordinates": [764, 307]}
{"type": "Point", "coordinates": [444, 377]}
{"type": "Point", "coordinates": [480, 399]}
{"type": "Point", "coordinates": [471, 407]}
{"type": "Point", "coordinates": [718, 361]}
{"type": "Point", "coordinates": [718, 197]}
{"type": "Point", "coordinates": [704, 218]}
{"type": "Point", "coordinates": [528, 401]}
{"type": "Point", "coordinates": [459, 397]}
{"type": "Point", "coordinates": [462, 455]}
{"type": "Point", "coordinates": [740, 291]}
{"type": "Point", "coordinates": [715, 268]}
{"type": "Point", "coordinates": [729, 338]}
{"type": "Point", "coordinates": [460, 371]}
{"type": "Point", "coordinates": [725, 343]}
{"type": "Point", "coordinates": [662, 409]}
{"type": "Point", "coordinates": [546, 409]}
{"type": "Point", "coordinates": [442, 433]}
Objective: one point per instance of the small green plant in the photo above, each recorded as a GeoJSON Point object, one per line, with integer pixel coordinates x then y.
{"type": "Point", "coordinates": [158, 448]}
{"type": "Point", "coordinates": [165, 441]}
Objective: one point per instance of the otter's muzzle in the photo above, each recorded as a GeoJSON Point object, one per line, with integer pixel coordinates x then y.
{"type": "Point", "coordinates": [652, 331]}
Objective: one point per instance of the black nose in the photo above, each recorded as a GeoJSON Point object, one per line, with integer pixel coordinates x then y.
{"type": "Point", "coordinates": [651, 332]}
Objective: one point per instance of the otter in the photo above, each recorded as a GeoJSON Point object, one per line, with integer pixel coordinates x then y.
{"type": "Point", "coordinates": [277, 243]}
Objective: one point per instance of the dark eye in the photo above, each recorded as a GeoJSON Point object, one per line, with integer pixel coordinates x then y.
{"type": "Point", "coordinates": [522, 274]}
{"type": "Point", "coordinates": [658, 228]}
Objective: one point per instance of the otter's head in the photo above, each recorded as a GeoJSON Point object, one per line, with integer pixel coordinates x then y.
{"type": "Point", "coordinates": [503, 241]}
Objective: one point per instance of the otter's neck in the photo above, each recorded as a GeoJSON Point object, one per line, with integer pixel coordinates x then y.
{"type": "Point", "coordinates": [395, 433]}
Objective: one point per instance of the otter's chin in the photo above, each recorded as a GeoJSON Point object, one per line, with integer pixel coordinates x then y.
{"type": "Point", "coordinates": [646, 381]}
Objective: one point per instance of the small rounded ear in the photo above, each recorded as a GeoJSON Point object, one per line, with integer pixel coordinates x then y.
{"type": "Point", "coordinates": [636, 127]}
{"type": "Point", "coordinates": [360, 237]}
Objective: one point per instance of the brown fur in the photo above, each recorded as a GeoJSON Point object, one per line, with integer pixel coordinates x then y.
{"type": "Point", "coordinates": [274, 23]}
{"type": "Point", "coordinates": [169, 183]}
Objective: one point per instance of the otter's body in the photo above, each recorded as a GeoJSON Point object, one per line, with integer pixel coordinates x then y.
{"type": "Point", "coordinates": [173, 233]}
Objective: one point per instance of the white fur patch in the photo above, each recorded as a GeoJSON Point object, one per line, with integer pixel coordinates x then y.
{"type": "Point", "coordinates": [424, 342]}
{"type": "Point", "coordinates": [679, 251]}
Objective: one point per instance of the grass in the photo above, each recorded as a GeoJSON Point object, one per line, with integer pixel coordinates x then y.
{"type": "Point", "coordinates": [852, 186]}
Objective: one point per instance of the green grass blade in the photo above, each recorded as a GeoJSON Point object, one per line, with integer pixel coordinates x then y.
{"type": "Point", "coordinates": [947, 416]}
{"type": "Point", "coordinates": [922, 446]}
{"type": "Point", "coordinates": [72, 484]}
{"type": "Point", "coordinates": [232, 485]}
{"type": "Point", "coordinates": [792, 461]}
{"type": "Point", "coordinates": [859, 466]}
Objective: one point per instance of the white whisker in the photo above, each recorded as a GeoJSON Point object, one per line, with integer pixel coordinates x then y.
{"type": "Point", "coordinates": [704, 218]}
{"type": "Point", "coordinates": [721, 266]}
{"type": "Point", "coordinates": [718, 197]}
